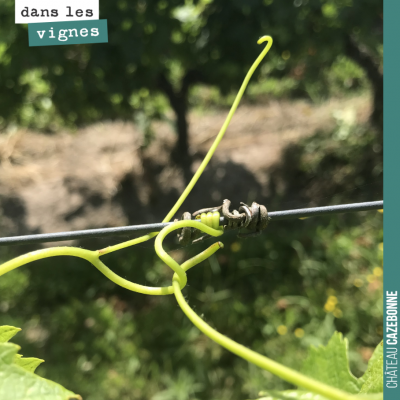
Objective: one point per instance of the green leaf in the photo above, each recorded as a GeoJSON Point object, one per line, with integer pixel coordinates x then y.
{"type": "Point", "coordinates": [330, 365]}
{"type": "Point", "coordinates": [372, 380]}
{"type": "Point", "coordinates": [29, 363]}
{"type": "Point", "coordinates": [7, 332]}
{"type": "Point", "coordinates": [303, 395]}
{"type": "Point", "coordinates": [17, 380]}
{"type": "Point", "coordinates": [289, 395]}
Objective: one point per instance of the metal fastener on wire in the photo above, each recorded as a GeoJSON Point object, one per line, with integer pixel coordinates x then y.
{"type": "Point", "coordinates": [145, 228]}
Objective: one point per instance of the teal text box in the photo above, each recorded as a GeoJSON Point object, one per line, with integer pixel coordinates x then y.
{"type": "Point", "coordinates": [68, 32]}
{"type": "Point", "coordinates": [391, 195]}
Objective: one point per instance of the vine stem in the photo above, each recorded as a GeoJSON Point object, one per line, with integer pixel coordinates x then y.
{"type": "Point", "coordinates": [261, 361]}
{"type": "Point", "coordinates": [251, 356]}
{"type": "Point", "coordinates": [210, 152]}
{"type": "Point", "coordinates": [93, 258]}
{"type": "Point", "coordinates": [223, 129]}
{"type": "Point", "coordinates": [178, 282]}
{"type": "Point", "coordinates": [179, 279]}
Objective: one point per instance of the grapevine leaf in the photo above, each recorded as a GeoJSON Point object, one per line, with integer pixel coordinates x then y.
{"type": "Point", "coordinates": [17, 380]}
{"type": "Point", "coordinates": [372, 380]}
{"type": "Point", "coordinates": [289, 395]}
{"type": "Point", "coordinates": [17, 383]}
{"type": "Point", "coordinates": [330, 365]}
{"type": "Point", "coordinates": [303, 395]}
{"type": "Point", "coordinates": [7, 332]}
{"type": "Point", "coordinates": [28, 363]}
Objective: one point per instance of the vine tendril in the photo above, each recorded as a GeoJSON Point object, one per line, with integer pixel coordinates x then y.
{"type": "Point", "coordinates": [209, 224]}
{"type": "Point", "coordinates": [210, 152]}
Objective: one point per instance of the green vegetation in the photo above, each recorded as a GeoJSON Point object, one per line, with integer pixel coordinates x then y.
{"type": "Point", "coordinates": [277, 294]}
{"type": "Point", "coordinates": [330, 365]}
{"type": "Point", "coordinates": [21, 382]}
{"type": "Point", "coordinates": [326, 364]}
{"type": "Point", "coordinates": [159, 50]}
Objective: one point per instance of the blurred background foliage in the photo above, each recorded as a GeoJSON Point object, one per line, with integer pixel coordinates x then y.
{"type": "Point", "coordinates": [278, 293]}
{"type": "Point", "coordinates": [158, 51]}
{"type": "Point", "coordinates": [289, 289]}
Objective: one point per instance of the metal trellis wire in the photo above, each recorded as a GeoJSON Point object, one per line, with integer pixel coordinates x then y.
{"type": "Point", "coordinates": [128, 230]}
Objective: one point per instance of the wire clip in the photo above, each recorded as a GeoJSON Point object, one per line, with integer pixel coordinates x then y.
{"type": "Point", "coordinates": [253, 218]}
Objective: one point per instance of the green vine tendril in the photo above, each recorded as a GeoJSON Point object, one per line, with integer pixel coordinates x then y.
{"type": "Point", "coordinates": [209, 225]}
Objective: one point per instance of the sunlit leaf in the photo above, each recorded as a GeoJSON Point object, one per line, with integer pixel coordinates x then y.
{"type": "Point", "coordinates": [7, 332]}
{"type": "Point", "coordinates": [303, 395]}
{"type": "Point", "coordinates": [372, 380]}
{"type": "Point", "coordinates": [17, 380]}
{"type": "Point", "coordinates": [330, 364]}
{"type": "Point", "coordinates": [28, 363]}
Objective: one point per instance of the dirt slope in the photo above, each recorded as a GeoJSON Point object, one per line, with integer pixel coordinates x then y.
{"type": "Point", "coordinates": [100, 176]}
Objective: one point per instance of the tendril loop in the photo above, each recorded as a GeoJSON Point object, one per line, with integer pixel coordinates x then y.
{"type": "Point", "coordinates": [254, 217]}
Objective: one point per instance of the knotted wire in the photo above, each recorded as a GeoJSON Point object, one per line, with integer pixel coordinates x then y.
{"type": "Point", "coordinates": [254, 219]}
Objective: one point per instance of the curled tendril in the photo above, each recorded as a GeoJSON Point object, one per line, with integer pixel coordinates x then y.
{"type": "Point", "coordinates": [180, 275]}
{"type": "Point", "coordinates": [94, 258]}
{"type": "Point", "coordinates": [208, 225]}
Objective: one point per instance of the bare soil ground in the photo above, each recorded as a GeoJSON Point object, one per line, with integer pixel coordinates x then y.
{"type": "Point", "coordinates": [101, 176]}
